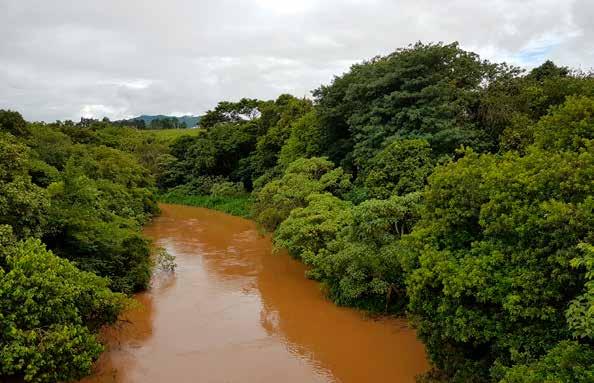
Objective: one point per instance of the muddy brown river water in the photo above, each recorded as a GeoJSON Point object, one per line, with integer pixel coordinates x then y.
{"type": "Point", "coordinates": [234, 312]}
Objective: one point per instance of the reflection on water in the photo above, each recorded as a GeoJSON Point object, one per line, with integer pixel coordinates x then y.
{"type": "Point", "coordinates": [233, 312]}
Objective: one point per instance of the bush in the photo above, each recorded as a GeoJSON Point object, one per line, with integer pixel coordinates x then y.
{"type": "Point", "coordinates": [48, 313]}
{"type": "Point", "coordinates": [367, 263]}
{"type": "Point", "coordinates": [274, 202]}
{"type": "Point", "coordinates": [227, 189]}
{"type": "Point", "coordinates": [201, 185]}
{"type": "Point", "coordinates": [569, 361]}
{"type": "Point", "coordinates": [310, 229]}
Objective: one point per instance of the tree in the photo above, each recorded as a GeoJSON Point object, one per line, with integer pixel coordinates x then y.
{"type": "Point", "coordinates": [222, 151]}
{"type": "Point", "coordinates": [567, 127]}
{"type": "Point", "coordinates": [86, 229]}
{"type": "Point", "coordinates": [580, 314]}
{"type": "Point", "coordinates": [567, 362]}
{"type": "Point", "coordinates": [306, 140]}
{"type": "Point", "coordinates": [513, 104]}
{"type": "Point", "coordinates": [495, 241]}
{"type": "Point", "coordinates": [428, 91]}
{"type": "Point", "coordinates": [276, 125]}
{"type": "Point", "coordinates": [234, 112]}
{"type": "Point", "coordinates": [50, 145]}
{"type": "Point", "coordinates": [547, 70]}
{"type": "Point", "coordinates": [365, 266]}
{"type": "Point", "coordinates": [311, 228]}
{"type": "Point", "coordinates": [70, 185]}
{"type": "Point", "coordinates": [13, 123]}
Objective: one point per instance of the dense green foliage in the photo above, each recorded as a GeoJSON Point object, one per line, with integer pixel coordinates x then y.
{"type": "Point", "coordinates": [400, 168]}
{"type": "Point", "coordinates": [244, 109]}
{"type": "Point", "coordinates": [275, 201]}
{"type": "Point", "coordinates": [427, 183]}
{"type": "Point", "coordinates": [49, 310]}
{"type": "Point", "coordinates": [569, 361]}
{"type": "Point", "coordinates": [431, 183]}
{"type": "Point", "coordinates": [494, 276]}
{"type": "Point", "coordinates": [424, 91]}
{"type": "Point", "coordinates": [83, 191]}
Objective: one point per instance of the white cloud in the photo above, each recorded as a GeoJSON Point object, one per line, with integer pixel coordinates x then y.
{"type": "Point", "coordinates": [99, 111]}
{"type": "Point", "coordinates": [137, 84]}
{"type": "Point", "coordinates": [61, 59]}
{"type": "Point", "coordinates": [286, 6]}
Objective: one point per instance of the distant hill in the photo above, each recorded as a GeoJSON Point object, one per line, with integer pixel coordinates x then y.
{"type": "Point", "coordinates": [190, 121]}
{"type": "Point", "coordinates": [160, 122]}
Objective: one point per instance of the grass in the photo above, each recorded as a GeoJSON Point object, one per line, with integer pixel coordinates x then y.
{"type": "Point", "coordinates": [239, 206]}
{"type": "Point", "coordinates": [167, 136]}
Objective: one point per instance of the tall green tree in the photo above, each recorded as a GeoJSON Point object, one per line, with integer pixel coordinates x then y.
{"type": "Point", "coordinates": [496, 241]}
{"type": "Point", "coordinates": [12, 122]}
{"type": "Point", "coordinates": [244, 110]}
{"type": "Point", "coordinates": [428, 91]}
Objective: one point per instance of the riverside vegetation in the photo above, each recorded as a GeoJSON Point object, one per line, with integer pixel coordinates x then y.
{"type": "Point", "coordinates": [428, 183]}
{"type": "Point", "coordinates": [72, 204]}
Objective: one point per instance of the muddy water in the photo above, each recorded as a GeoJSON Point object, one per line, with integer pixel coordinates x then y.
{"type": "Point", "coordinates": [233, 312]}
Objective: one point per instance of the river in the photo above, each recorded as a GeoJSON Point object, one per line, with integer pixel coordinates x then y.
{"type": "Point", "coordinates": [235, 312]}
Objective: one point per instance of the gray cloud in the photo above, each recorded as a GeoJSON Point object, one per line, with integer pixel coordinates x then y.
{"type": "Point", "coordinates": [62, 59]}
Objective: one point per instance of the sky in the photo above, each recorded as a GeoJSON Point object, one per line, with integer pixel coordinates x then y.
{"type": "Point", "coordinates": [64, 59]}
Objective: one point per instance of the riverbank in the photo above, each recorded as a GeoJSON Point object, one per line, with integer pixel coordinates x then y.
{"type": "Point", "coordinates": [240, 206]}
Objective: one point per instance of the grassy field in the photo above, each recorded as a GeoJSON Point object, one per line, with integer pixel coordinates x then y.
{"type": "Point", "coordinates": [239, 206]}
{"type": "Point", "coordinates": [170, 135]}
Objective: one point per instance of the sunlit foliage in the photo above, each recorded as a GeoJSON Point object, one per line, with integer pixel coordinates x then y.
{"type": "Point", "coordinates": [304, 177]}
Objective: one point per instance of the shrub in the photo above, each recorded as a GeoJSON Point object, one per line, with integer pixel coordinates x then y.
{"type": "Point", "coordinates": [227, 189]}
{"type": "Point", "coordinates": [48, 313]}
{"type": "Point", "coordinates": [366, 265]}
{"type": "Point", "coordinates": [201, 185]}
{"type": "Point", "coordinates": [274, 202]}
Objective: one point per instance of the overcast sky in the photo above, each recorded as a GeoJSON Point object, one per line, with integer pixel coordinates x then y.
{"type": "Point", "coordinates": [121, 58]}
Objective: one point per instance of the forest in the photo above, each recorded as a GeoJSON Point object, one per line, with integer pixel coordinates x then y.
{"type": "Point", "coordinates": [427, 183]}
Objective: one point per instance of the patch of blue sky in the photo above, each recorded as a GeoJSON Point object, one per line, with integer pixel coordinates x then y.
{"type": "Point", "coordinates": [537, 51]}
{"type": "Point", "coordinates": [534, 56]}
